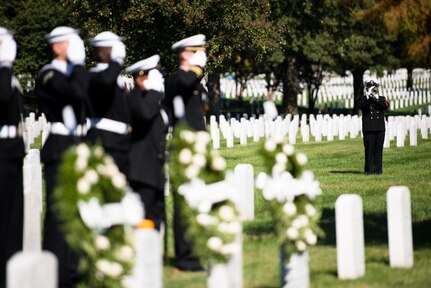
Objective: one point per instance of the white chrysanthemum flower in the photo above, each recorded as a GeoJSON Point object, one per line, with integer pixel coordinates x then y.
{"type": "Point", "coordinates": [98, 152]}
{"type": "Point", "coordinates": [119, 180]}
{"type": "Point", "coordinates": [192, 171]}
{"type": "Point", "coordinates": [226, 213]}
{"type": "Point", "coordinates": [218, 163]}
{"type": "Point", "coordinates": [83, 151]}
{"type": "Point", "coordinates": [199, 160]}
{"type": "Point", "coordinates": [214, 243]}
{"type": "Point", "coordinates": [102, 242]}
{"type": "Point", "coordinates": [203, 137]}
{"type": "Point", "coordinates": [301, 158]}
{"type": "Point", "coordinates": [300, 221]}
{"type": "Point", "coordinates": [115, 269]}
{"type": "Point", "coordinates": [108, 160]}
{"type": "Point", "coordinates": [111, 170]}
{"type": "Point", "coordinates": [281, 158]}
{"type": "Point", "coordinates": [204, 207]}
{"type": "Point", "coordinates": [185, 157]}
{"type": "Point", "coordinates": [278, 168]}
{"type": "Point", "coordinates": [206, 220]}
{"type": "Point", "coordinates": [200, 147]}
{"type": "Point", "coordinates": [310, 237]}
{"type": "Point", "coordinates": [310, 210]}
{"type": "Point", "coordinates": [83, 186]}
{"type": "Point", "coordinates": [125, 253]}
{"type": "Point", "coordinates": [80, 164]}
{"type": "Point", "coordinates": [288, 149]}
{"type": "Point", "coordinates": [300, 245]}
{"type": "Point", "coordinates": [289, 209]}
{"type": "Point", "coordinates": [229, 249]}
{"type": "Point", "coordinates": [292, 233]}
{"type": "Point", "coordinates": [103, 266]}
{"type": "Point", "coordinates": [188, 136]}
{"type": "Point", "coordinates": [91, 176]}
{"type": "Point", "coordinates": [101, 169]}
{"type": "Point", "coordinates": [270, 145]}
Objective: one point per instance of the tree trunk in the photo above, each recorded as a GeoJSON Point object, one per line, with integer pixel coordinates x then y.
{"type": "Point", "coordinates": [409, 78]}
{"type": "Point", "coordinates": [214, 93]}
{"type": "Point", "coordinates": [289, 104]}
{"type": "Point", "coordinates": [358, 87]}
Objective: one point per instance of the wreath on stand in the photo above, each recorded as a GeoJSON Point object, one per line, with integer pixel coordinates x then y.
{"type": "Point", "coordinates": [204, 194]}
{"type": "Point", "coordinates": [291, 191]}
{"type": "Point", "coordinates": [98, 215]}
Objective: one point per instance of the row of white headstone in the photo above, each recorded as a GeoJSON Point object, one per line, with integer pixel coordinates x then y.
{"type": "Point", "coordinates": [350, 232]}
{"type": "Point", "coordinates": [322, 126]}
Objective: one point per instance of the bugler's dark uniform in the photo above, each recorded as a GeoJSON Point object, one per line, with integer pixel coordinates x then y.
{"type": "Point", "coordinates": [57, 88]}
{"type": "Point", "coordinates": [109, 101]}
{"type": "Point", "coordinates": [11, 160]}
{"type": "Point", "coordinates": [147, 154]}
{"type": "Point", "coordinates": [373, 129]}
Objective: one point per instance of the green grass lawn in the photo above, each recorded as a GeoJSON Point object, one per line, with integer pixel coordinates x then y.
{"type": "Point", "coordinates": [338, 165]}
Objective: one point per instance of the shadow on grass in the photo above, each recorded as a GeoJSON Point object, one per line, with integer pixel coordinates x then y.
{"type": "Point", "coordinates": [346, 172]}
{"type": "Point", "coordinates": [375, 230]}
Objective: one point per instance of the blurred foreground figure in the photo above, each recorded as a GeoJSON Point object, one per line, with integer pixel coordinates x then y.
{"type": "Point", "coordinates": [11, 155]}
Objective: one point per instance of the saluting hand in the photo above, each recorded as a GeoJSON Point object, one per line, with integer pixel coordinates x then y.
{"type": "Point", "coordinates": [154, 81]}
{"type": "Point", "coordinates": [7, 50]}
{"type": "Point", "coordinates": [198, 59]}
{"type": "Point", "coordinates": [76, 50]}
{"type": "Point", "coordinates": [118, 52]}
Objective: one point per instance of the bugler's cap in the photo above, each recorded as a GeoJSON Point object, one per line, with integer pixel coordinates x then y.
{"type": "Point", "coordinates": [61, 33]}
{"type": "Point", "coordinates": [371, 82]}
{"type": "Point", "coordinates": [194, 43]}
{"type": "Point", "coordinates": [143, 66]}
{"type": "Point", "coordinates": [105, 39]}
{"type": "Point", "coordinates": [5, 33]}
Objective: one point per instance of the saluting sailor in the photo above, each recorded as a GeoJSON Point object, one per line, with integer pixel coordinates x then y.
{"type": "Point", "coordinates": [111, 120]}
{"type": "Point", "coordinates": [150, 123]}
{"type": "Point", "coordinates": [184, 101]}
{"type": "Point", "coordinates": [373, 126]}
{"type": "Point", "coordinates": [62, 93]}
{"type": "Point", "coordinates": [11, 155]}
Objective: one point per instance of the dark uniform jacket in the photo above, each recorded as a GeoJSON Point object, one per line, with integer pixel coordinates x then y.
{"type": "Point", "coordinates": [11, 110]}
{"type": "Point", "coordinates": [57, 88]}
{"type": "Point", "coordinates": [108, 100]}
{"type": "Point", "coordinates": [187, 85]}
{"type": "Point", "coordinates": [373, 117]}
{"type": "Point", "coordinates": [147, 154]}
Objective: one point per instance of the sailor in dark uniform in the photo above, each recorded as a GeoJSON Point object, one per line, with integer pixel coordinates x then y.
{"type": "Point", "coordinates": [61, 89]}
{"type": "Point", "coordinates": [11, 155]}
{"type": "Point", "coordinates": [150, 123]}
{"type": "Point", "coordinates": [111, 120]}
{"type": "Point", "coordinates": [373, 126]}
{"type": "Point", "coordinates": [183, 100]}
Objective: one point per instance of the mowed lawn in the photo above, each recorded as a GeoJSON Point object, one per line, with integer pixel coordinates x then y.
{"type": "Point", "coordinates": [338, 165]}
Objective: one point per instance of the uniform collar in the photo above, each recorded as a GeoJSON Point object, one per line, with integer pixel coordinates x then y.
{"type": "Point", "coordinates": [99, 67]}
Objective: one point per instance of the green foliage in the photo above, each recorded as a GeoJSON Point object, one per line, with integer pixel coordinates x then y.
{"type": "Point", "coordinates": [212, 230]}
{"type": "Point", "coordinates": [106, 256]}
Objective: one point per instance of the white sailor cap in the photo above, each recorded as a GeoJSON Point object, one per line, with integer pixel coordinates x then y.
{"type": "Point", "coordinates": [371, 82]}
{"type": "Point", "coordinates": [61, 33]}
{"type": "Point", "coordinates": [193, 43]}
{"type": "Point", "coordinates": [143, 66]}
{"type": "Point", "coordinates": [105, 39]}
{"type": "Point", "coordinates": [5, 33]}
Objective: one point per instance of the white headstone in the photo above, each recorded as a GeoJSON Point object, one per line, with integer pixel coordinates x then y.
{"type": "Point", "coordinates": [413, 135]}
{"type": "Point", "coordinates": [296, 273]}
{"type": "Point", "coordinates": [400, 135]}
{"type": "Point", "coordinates": [400, 227]}
{"type": "Point", "coordinates": [148, 269]}
{"type": "Point", "coordinates": [244, 174]}
{"type": "Point", "coordinates": [215, 135]}
{"type": "Point", "coordinates": [350, 236]}
{"type": "Point", "coordinates": [32, 270]}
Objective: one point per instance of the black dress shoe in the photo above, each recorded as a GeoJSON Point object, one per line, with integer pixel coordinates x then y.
{"type": "Point", "coordinates": [190, 266]}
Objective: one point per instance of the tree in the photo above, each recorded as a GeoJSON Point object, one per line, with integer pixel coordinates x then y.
{"type": "Point", "coordinates": [149, 27]}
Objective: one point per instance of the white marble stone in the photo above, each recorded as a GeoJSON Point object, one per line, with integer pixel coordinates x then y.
{"type": "Point", "coordinates": [32, 270]}
{"type": "Point", "coordinates": [400, 227]}
{"type": "Point", "coordinates": [244, 174]}
{"type": "Point", "coordinates": [350, 236]}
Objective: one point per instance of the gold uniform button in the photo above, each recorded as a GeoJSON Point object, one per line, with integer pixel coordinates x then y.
{"type": "Point", "coordinates": [371, 118]}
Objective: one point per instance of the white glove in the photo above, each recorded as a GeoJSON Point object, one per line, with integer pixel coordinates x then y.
{"type": "Point", "coordinates": [76, 50]}
{"type": "Point", "coordinates": [198, 59]}
{"type": "Point", "coordinates": [154, 81]}
{"type": "Point", "coordinates": [118, 53]}
{"type": "Point", "coordinates": [7, 50]}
